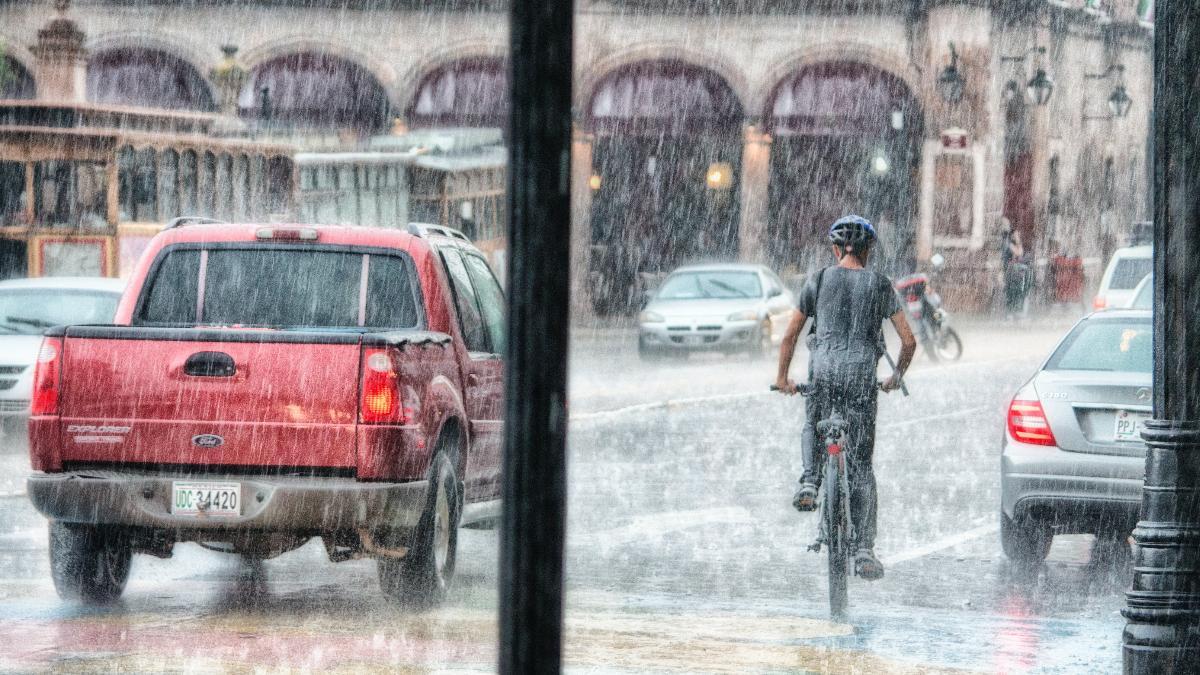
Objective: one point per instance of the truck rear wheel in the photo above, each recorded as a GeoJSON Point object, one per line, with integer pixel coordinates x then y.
{"type": "Point", "coordinates": [89, 562]}
{"type": "Point", "coordinates": [421, 578]}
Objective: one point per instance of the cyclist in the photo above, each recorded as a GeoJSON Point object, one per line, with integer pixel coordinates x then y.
{"type": "Point", "coordinates": [848, 304]}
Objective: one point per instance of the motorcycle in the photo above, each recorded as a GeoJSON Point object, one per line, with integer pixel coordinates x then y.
{"type": "Point", "coordinates": [930, 321]}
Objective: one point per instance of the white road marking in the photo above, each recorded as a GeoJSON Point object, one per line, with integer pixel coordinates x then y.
{"type": "Point", "coordinates": [680, 402]}
{"type": "Point", "coordinates": [942, 544]}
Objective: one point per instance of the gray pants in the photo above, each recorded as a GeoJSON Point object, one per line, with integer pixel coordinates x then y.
{"type": "Point", "coordinates": [852, 393]}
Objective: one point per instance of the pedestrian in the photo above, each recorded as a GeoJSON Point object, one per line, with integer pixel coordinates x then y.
{"type": "Point", "coordinates": [1016, 273]}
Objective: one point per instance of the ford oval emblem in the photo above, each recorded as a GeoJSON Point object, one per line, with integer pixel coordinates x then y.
{"type": "Point", "coordinates": [208, 441]}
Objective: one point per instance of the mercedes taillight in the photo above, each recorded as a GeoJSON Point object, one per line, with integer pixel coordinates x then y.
{"type": "Point", "coordinates": [47, 376]}
{"type": "Point", "coordinates": [1027, 421]}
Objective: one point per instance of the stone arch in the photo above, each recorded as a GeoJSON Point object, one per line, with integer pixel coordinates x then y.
{"type": "Point", "coordinates": [258, 54]}
{"type": "Point", "coordinates": [596, 72]}
{"type": "Point", "coordinates": [841, 52]}
{"type": "Point", "coordinates": [316, 90]}
{"type": "Point", "coordinates": [846, 136]}
{"type": "Point", "coordinates": [181, 48]}
{"type": "Point", "coordinates": [469, 91]}
{"type": "Point", "coordinates": [145, 75]}
{"type": "Point", "coordinates": [407, 84]}
{"type": "Point", "coordinates": [663, 95]}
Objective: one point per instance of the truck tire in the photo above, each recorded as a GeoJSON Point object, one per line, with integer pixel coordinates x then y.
{"type": "Point", "coordinates": [1025, 542]}
{"type": "Point", "coordinates": [421, 578]}
{"type": "Point", "coordinates": [89, 563]}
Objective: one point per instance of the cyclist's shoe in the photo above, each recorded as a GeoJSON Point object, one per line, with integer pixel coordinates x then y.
{"type": "Point", "coordinates": [806, 497]}
{"type": "Point", "coordinates": [867, 566]}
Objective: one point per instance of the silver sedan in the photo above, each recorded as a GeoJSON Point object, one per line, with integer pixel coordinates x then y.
{"type": "Point", "coordinates": [28, 307]}
{"type": "Point", "coordinates": [1073, 459]}
{"type": "Point", "coordinates": [727, 308]}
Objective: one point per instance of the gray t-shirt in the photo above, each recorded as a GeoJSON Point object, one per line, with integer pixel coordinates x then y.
{"type": "Point", "coordinates": [850, 312]}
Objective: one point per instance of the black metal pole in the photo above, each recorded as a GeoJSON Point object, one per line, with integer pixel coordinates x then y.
{"type": "Point", "coordinates": [539, 198]}
{"type": "Point", "coordinates": [1163, 607]}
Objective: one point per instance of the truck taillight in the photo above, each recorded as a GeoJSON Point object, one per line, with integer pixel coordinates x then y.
{"type": "Point", "coordinates": [1027, 421]}
{"type": "Point", "coordinates": [1099, 302]}
{"type": "Point", "coordinates": [381, 402]}
{"type": "Point", "coordinates": [46, 377]}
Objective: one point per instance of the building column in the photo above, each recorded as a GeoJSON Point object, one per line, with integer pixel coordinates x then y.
{"type": "Point", "coordinates": [582, 143]}
{"type": "Point", "coordinates": [61, 67]}
{"type": "Point", "coordinates": [755, 194]}
{"type": "Point", "coordinates": [1163, 607]}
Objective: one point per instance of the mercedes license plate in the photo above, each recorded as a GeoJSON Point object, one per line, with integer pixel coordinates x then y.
{"type": "Point", "coordinates": [202, 498]}
{"type": "Point", "coordinates": [1129, 426]}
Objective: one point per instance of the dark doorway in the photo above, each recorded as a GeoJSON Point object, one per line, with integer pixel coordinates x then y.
{"type": "Point", "coordinates": [1018, 174]}
{"type": "Point", "coordinates": [315, 92]}
{"type": "Point", "coordinates": [471, 92]}
{"type": "Point", "coordinates": [666, 173]}
{"type": "Point", "coordinates": [846, 139]}
{"type": "Point", "coordinates": [146, 77]}
{"type": "Point", "coordinates": [15, 80]}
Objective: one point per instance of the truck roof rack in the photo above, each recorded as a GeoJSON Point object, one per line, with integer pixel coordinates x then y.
{"type": "Point", "coordinates": [193, 220]}
{"type": "Point", "coordinates": [431, 229]}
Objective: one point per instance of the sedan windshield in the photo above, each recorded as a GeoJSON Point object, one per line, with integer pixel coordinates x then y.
{"type": "Point", "coordinates": [1107, 345]}
{"type": "Point", "coordinates": [29, 311]}
{"type": "Point", "coordinates": [710, 285]}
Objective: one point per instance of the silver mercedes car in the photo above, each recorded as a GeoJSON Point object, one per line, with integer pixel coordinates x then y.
{"type": "Point", "coordinates": [1073, 459]}
{"type": "Point", "coordinates": [721, 307]}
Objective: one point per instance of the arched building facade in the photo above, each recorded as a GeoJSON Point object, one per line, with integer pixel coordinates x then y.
{"type": "Point", "coordinates": [722, 131]}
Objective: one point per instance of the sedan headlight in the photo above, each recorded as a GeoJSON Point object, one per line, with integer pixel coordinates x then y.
{"type": "Point", "coordinates": [650, 317]}
{"type": "Point", "coordinates": [747, 315]}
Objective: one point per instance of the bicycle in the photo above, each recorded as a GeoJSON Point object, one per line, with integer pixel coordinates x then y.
{"type": "Point", "coordinates": [835, 526]}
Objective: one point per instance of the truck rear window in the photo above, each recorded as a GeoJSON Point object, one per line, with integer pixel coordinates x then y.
{"type": "Point", "coordinates": [281, 288]}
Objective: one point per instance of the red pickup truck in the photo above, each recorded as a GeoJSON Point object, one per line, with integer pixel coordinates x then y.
{"type": "Point", "coordinates": [266, 384]}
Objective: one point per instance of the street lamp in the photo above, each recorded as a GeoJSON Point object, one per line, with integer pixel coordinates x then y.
{"type": "Point", "coordinates": [1119, 101]}
{"type": "Point", "coordinates": [1039, 88]}
{"type": "Point", "coordinates": [950, 83]}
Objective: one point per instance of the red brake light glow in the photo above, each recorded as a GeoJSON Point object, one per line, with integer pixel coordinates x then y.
{"type": "Point", "coordinates": [1027, 421]}
{"type": "Point", "coordinates": [46, 377]}
{"type": "Point", "coordinates": [287, 233]}
{"type": "Point", "coordinates": [380, 402]}
{"type": "Point", "coordinates": [1099, 302]}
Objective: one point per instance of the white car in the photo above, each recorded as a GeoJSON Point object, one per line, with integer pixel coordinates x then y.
{"type": "Point", "coordinates": [1143, 295]}
{"type": "Point", "coordinates": [1126, 269]}
{"type": "Point", "coordinates": [721, 307]}
{"type": "Point", "coordinates": [30, 306]}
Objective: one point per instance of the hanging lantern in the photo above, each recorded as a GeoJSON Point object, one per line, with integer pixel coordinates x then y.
{"type": "Point", "coordinates": [1120, 102]}
{"type": "Point", "coordinates": [1040, 87]}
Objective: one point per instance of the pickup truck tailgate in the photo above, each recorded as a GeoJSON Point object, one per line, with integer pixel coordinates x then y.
{"type": "Point", "coordinates": [260, 401]}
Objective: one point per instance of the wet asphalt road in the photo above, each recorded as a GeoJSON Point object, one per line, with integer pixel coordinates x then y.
{"type": "Point", "coordinates": [684, 554]}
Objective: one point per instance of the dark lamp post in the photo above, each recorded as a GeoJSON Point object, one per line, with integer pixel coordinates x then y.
{"type": "Point", "coordinates": [950, 84]}
{"type": "Point", "coordinates": [1120, 103]}
{"type": "Point", "coordinates": [1040, 87]}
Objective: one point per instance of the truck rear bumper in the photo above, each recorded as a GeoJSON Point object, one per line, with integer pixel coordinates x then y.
{"type": "Point", "coordinates": [312, 505]}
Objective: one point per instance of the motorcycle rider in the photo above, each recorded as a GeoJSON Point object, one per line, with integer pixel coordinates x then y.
{"type": "Point", "coordinates": [849, 304]}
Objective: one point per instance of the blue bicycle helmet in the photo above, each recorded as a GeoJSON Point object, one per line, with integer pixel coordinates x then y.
{"type": "Point", "coordinates": [851, 231]}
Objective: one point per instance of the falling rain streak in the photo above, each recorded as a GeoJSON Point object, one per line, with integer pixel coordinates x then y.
{"type": "Point", "coordinates": [253, 329]}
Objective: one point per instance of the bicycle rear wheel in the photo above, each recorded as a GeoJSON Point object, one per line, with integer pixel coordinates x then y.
{"type": "Point", "coordinates": [837, 536]}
